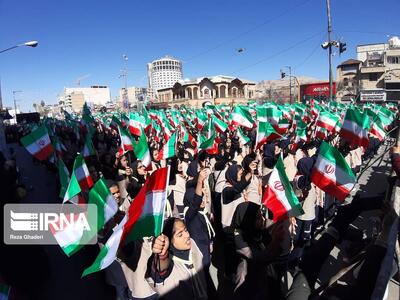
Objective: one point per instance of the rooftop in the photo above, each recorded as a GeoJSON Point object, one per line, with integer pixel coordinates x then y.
{"type": "Point", "coordinates": [214, 79]}
{"type": "Point", "coordinates": [350, 61]}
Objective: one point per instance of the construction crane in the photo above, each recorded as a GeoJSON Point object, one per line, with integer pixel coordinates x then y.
{"type": "Point", "coordinates": [78, 81]}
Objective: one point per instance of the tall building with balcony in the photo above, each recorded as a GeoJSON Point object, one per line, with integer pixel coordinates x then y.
{"type": "Point", "coordinates": [164, 72]}
{"type": "Point", "coordinates": [347, 80]}
{"type": "Point", "coordinates": [380, 71]}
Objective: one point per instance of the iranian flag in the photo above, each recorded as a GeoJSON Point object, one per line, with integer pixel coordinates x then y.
{"type": "Point", "coordinates": [58, 146]}
{"type": "Point", "coordinates": [244, 139]}
{"type": "Point", "coordinates": [63, 175]}
{"type": "Point", "coordinates": [321, 133]}
{"type": "Point", "coordinates": [327, 120]}
{"type": "Point", "coordinates": [221, 126]}
{"type": "Point", "coordinates": [241, 117]}
{"type": "Point", "coordinates": [355, 128]}
{"type": "Point", "coordinates": [73, 237]}
{"type": "Point", "coordinates": [144, 219]}
{"type": "Point", "coordinates": [265, 133]}
{"type": "Point", "coordinates": [377, 130]}
{"type": "Point", "coordinates": [38, 143]}
{"type": "Point", "coordinates": [135, 124]}
{"type": "Point", "coordinates": [209, 145]}
{"type": "Point", "coordinates": [273, 115]}
{"type": "Point", "coordinates": [187, 137]}
{"type": "Point", "coordinates": [126, 141]}
{"type": "Point", "coordinates": [141, 150]}
{"type": "Point", "coordinates": [80, 179]}
{"type": "Point", "coordinates": [105, 202]}
{"type": "Point", "coordinates": [331, 173]}
{"type": "Point", "coordinates": [146, 213]}
{"type": "Point", "coordinates": [108, 253]}
{"type": "Point", "coordinates": [168, 150]}
{"type": "Point", "coordinates": [279, 196]}
{"type": "Point", "coordinates": [88, 148]}
{"type": "Point", "coordinates": [283, 126]}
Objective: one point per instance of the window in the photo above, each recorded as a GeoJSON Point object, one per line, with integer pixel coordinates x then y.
{"type": "Point", "coordinates": [345, 81]}
{"type": "Point", "coordinates": [373, 77]}
{"type": "Point", "coordinates": [393, 59]}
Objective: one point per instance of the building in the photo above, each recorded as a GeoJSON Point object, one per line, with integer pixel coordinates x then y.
{"type": "Point", "coordinates": [347, 78]}
{"type": "Point", "coordinates": [278, 90]}
{"type": "Point", "coordinates": [97, 95]}
{"type": "Point", "coordinates": [135, 94]}
{"type": "Point", "coordinates": [380, 71]}
{"type": "Point", "coordinates": [164, 72]}
{"type": "Point", "coordinates": [217, 89]}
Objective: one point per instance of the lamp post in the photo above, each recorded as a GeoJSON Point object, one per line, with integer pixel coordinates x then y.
{"type": "Point", "coordinates": [283, 75]}
{"type": "Point", "coordinates": [3, 146]}
{"type": "Point", "coordinates": [32, 44]}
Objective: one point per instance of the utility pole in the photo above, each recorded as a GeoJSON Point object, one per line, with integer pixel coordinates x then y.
{"type": "Point", "coordinates": [15, 104]}
{"type": "Point", "coordinates": [124, 74]}
{"type": "Point", "coordinates": [328, 11]}
{"type": "Point", "coordinates": [290, 84]}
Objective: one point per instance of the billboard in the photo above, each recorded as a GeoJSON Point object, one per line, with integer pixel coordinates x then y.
{"type": "Point", "coordinates": [317, 89]}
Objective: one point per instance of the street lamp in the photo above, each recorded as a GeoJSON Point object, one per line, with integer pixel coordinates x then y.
{"type": "Point", "coordinates": [3, 146]}
{"type": "Point", "coordinates": [32, 44]}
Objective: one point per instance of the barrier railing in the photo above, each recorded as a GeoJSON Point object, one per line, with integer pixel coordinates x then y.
{"type": "Point", "coordinates": [385, 272]}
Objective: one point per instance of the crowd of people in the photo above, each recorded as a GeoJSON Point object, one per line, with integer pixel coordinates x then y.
{"type": "Point", "coordinates": [216, 217]}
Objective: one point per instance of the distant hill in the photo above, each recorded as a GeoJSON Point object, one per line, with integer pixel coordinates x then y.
{"type": "Point", "coordinates": [278, 89]}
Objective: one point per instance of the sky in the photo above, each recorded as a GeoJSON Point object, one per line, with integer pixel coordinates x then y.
{"type": "Point", "coordinates": [83, 37]}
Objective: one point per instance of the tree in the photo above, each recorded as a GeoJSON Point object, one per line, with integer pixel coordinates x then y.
{"type": "Point", "coordinates": [42, 104]}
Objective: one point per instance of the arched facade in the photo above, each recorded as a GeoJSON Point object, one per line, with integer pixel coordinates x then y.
{"type": "Point", "coordinates": [215, 88]}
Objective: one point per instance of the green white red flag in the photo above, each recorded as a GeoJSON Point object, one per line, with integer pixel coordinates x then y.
{"type": "Point", "coordinates": [221, 126]}
{"type": "Point", "coordinates": [146, 213]}
{"type": "Point", "coordinates": [141, 150]}
{"type": "Point", "coordinates": [136, 123]}
{"type": "Point", "coordinates": [126, 140]}
{"type": "Point", "coordinates": [331, 173]}
{"type": "Point", "coordinates": [144, 219]}
{"type": "Point", "coordinates": [105, 202]}
{"type": "Point", "coordinates": [169, 148]}
{"type": "Point", "coordinates": [377, 130]}
{"type": "Point", "coordinates": [73, 237]}
{"type": "Point", "coordinates": [209, 145]}
{"type": "Point", "coordinates": [244, 139]}
{"type": "Point", "coordinates": [63, 175]}
{"type": "Point", "coordinates": [327, 120]}
{"type": "Point", "coordinates": [108, 253]}
{"type": "Point", "coordinates": [88, 148]}
{"type": "Point", "coordinates": [38, 143]}
{"type": "Point", "coordinates": [265, 133]}
{"type": "Point", "coordinates": [355, 128]}
{"type": "Point", "coordinates": [241, 117]}
{"type": "Point", "coordinates": [80, 180]}
{"type": "Point", "coordinates": [279, 196]}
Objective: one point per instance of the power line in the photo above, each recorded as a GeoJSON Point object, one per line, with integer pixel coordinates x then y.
{"type": "Point", "coordinates": [280, 52]}
{"type": "Point", "coordinates": [246, 32]}
{"type": "Point", "coordinates": [310, 55]}
{"type": "Point", "coordinates": [369, 32]}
